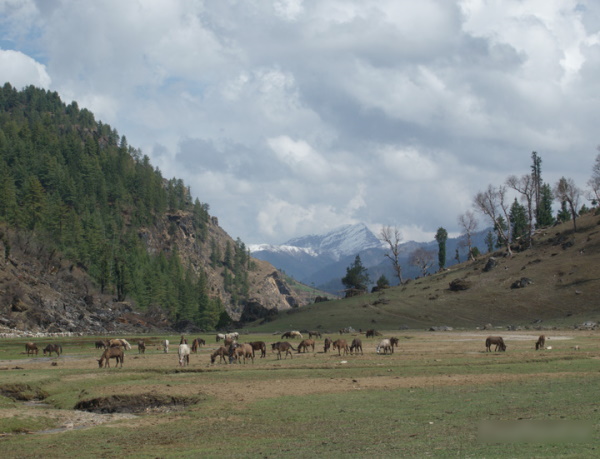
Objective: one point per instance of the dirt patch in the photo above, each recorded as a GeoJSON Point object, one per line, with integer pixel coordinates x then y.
{"type": "Point", "coordinates": [138, 403]}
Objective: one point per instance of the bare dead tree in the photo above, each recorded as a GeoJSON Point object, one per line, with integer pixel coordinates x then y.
{"type": "Point", "coordinates": [492, 202]}
{"type": "Point", "coordinates": [527, 187]}
{"type": "Point", "coordinates": [468, 222]}
{"type": "Point", "coordinates": [565, 190]}
{"type": "Point", "coordinates": [423, 259]}
{"type": "Point", "coordinates": [392, 237]}
{"type": "Point", "coordinates": [594, 182]}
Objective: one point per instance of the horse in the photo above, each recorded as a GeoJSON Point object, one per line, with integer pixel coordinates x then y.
{"type": "Point", "coordinates": [394, 342]}
{"type": "Point", "coordinates": [222, 352]}
{"type": "Point", "coordinates": [372, 333]}
{"type": "Point", "coordinates": [386, 346]}
{"type": "Point", "coordinates": [233, 335]}
{"type": "Point", "coordinates": [541, 342]}
{"type": "Point", "coordinates": [165, 345]}
{"type": "Point", "coordinates": [259, 346]}
{"type": "Point", "coordinates": [305, 343]}
{"type": "Point", "coordinates": [101, 344]}
{"type": "Point", "coordinates": [340, 344]}
{"type": "Point", "coordinates": [292, 334]}
{"type": "Point", "coordinates": [327, 345]}
{"type": "Point", "coordinates": [241, 350]}
{"type": "Point", "coordinates": [184, 355]}
{"type": "Point", "coordinates": [316, 334]}
{"type": "Point", "coordinates": [497, 340]}
{"type": "Point", "coordinates": [220, 336]}
{"type": "Point", "coordinates": [282, 346]}
{"type": "Point", "coordinates": [356, 345]}
{"type": "Point", "coordinates": [50, 348]}
{"type": "Point", "coordinates": [115, 352]}
{"type": "Point", "coordinates": [31, 348]}
{"type": "Point", "coordinates": [229, 341]}
{"type": "Point", "coordinates": [183, 340]}
{"type": "Point", "coordinates": [196, 344]}
{"type": "Point", "coordinates": [141, 347]}
{"type": "Point", "coordinates": [119, 342]}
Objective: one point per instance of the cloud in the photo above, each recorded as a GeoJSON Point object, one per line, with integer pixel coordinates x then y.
{"type": "Point", "coordinates": [293, 117]}
{"type": "Point", "coordinates": [21, 70]}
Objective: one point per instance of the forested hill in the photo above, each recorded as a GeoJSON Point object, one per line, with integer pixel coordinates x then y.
{"type": "Point", "coordinates": [86, 216]}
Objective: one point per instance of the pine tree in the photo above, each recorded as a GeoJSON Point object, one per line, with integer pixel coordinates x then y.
{"type": "Point", "coordinates": [357, 276]}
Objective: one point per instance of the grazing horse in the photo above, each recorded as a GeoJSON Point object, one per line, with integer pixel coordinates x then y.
{"type": "Point", "coordinates": [53, 348]}
{"type": "Point", "coordinates": [541, 342]}
{"type": "Point", "coordinates": [304, 344]}
{"type": "Point", "coordinates": [197, 343]}
{"type": "Point", "coordinates": [292, 334]}
{"type": "Point", "coordinates": [31, 348]}
{"type": "Point", "coordinates": [141, 347]}
{"type": "Point", "coordinates": [341, 344]}
{"type": "Point", "coordinates": [372, 333]}
{"type": "Point", "coordinates": [119, 342]}
{"type": "Point", "coordinates": [497, 340]}
{"type": "Point", "coordinates": [241, 350]}
{"type": "Point", "coordinates": [222, 352]}
{"type": "Point", "coordinates": [111, 353]}
{"type": "Point", "coordinates": [259, 346]}
{"type": "Point", "coordinates": [165, 345]}
{"type": "Point", "coordinates": [184, 355]}
{"type": "Point", "coordinates": [386, 346]}
{"type": "Point", "coordinates": [356, 345]}
{"type": "Point", "coordinates": [282, 346]}
{"type": "Point", "coordinates": [316, 334]}
{"type": "Point", "coordinates": [229, 341]}
{"type": "Point", "coordinates": [220, 336]}
{"type": "Point", "coordinates": [327, 345]}
{"type": "Point", "coordinates": [101, 344]}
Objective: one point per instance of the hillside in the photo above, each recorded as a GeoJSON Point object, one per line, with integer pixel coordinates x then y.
{"type": "Point", "coordinates": [94, 239]}
{"type": "Point", "coordinates": [563, 269]}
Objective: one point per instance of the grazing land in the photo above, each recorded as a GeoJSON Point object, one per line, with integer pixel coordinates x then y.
{"type": "Point", "coordinates": [430, 398]}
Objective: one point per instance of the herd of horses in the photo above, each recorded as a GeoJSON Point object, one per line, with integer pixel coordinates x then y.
{"type": "Point", "coordinates": [231, 351]}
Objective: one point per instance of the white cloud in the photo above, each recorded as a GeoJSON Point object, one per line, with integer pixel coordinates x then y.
{"type": "Point", "coordinates": [21, 70]}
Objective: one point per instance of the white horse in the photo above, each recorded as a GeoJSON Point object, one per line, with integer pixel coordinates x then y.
{"type": "Point", "coordinates": [165, 344]}
{"type": "Point", "coordinates": [184, 355]}
{"type": "Point", "coordinates": [386, 346]}
{"type": "Point", "coordinates": [220, 336]}
{"type": "Point", "coordinates": [234, 336]}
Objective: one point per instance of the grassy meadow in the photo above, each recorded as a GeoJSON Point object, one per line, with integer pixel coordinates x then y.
{"type": "Point", "coordinates": [428, 399]}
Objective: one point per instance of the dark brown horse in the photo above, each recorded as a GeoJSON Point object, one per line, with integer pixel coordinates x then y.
{"type": "Point", "coordinates": [356, 346]}
{"type": "Point", "coordinates": [222, 353]}
{"type": "Point", "coordinates": [197, 343]}
{"type": "Point", "coordinates": [372, 333]}
{"type": "Point", "coordinates": [327, 345]}
{"type": "Point", "coordinates": [259, 346]}
{"type": "Point", "coordinates": [316, 334]}
{"type": "Point", "coordinates": [340, 344]}
{"type": "Point", "coordinates": [541, 342]}
{"type": "Point", "coordinates": [31, 348]}
{"type": "Point", "coordinates": [141, 347]}
{"type": "Point", "coordinates": [116, 353]}
{"type": "Point", "coordinates": [50, 348]}
{"type": "Point", "coordinates": [305, 344]}
{"type": "Point", "coordinates": [283, 346]}
{"type": "Point", "coordinates": [393, 342]}
{"type": "Point", "coordinates": [101, 344]}
{"type": "Point", "coordinates": [497, 341]}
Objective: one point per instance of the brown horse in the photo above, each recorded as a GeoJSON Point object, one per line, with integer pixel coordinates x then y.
{"type": "Point", "coordinates": [394, 342]}
{"type": "Point", "coordinates": [497, 341]}
{"type": "Point", "coordinates": [239, 351]}
{"type": "Point", "coordinates": [141, 347]}
{"type": "Point", "coordinates": [259, 346]}
{"type": "Point", "coordinates": [282, 346]}
{"type": "Point", "coordinates": [541, 342]}
{"type": "Point", "coordinates": [356, 345]}
{"type": "Point", "coordinates": [372, 333]}
{"type": "Point", "coordinates": [222, 352]}
{"type": "Point", "coordinates": [31, 348]}
{"type": "Point", "coordinates": [340, 344]}
{"type": "Point", "coordinates": [116, 353]}
{"type": "Point", "coordinates": [197, 343]}
{"type": "Point", "coordinates": [304, 344]}
{"type": "Point", "coordinates": [101, 344]}
{"type": "Point", "coordinates": [316, 334]}
{"type": "Point", "coordinates": [327, 345]}
{"type": "Point", "coordinates": [50, 348]}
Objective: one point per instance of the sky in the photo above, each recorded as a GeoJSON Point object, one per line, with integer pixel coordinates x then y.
{"type": "Point", "coordinates": [292, 117]}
